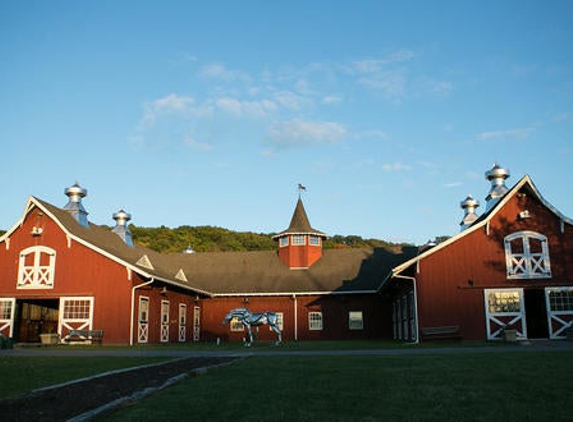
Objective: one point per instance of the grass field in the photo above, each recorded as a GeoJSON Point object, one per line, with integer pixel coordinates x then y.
{"type": "Point", "coordinates": [20, 374]}
{"type": "Point", "coordinates": [506, 386]}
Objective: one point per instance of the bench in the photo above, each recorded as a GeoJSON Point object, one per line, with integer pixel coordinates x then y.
{"type": "Point", "coordinates": [447, 332]}
{"type": "Point", "coordinates": [91, 336]}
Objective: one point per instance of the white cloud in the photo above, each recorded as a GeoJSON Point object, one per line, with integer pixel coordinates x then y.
{"type": "Point", "coordinates": [371, 134]}
{"type": "Point", "coordinates": [172, 102]}
{"type": "Point", "coordinates": [193, 143]}
{"type": "Point", "coordinates": [396, 167]}
{"type": "Point", "coordinates": [220, 72]}
{"type": "Point", "coordinates": [292, 101]}
{"type": "Point", "coordinates": [505, 134]}
{"type": "Point", "coordinates": [452, 184]}
{"type": "Point", "coordinates": [332, 99]}
{"type": "Point", "coordinates": [563, 117]}
{"type": "Point", "coordinates": [300, 133]}
{"type": "Point", "coordinates": [240, 108]}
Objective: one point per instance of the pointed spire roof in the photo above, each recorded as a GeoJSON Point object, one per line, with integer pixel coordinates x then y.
{"type": "Point", "coordinates": [299, 223]}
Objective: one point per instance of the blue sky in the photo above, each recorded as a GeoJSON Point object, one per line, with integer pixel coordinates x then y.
{"type": "Point", "coordinates": [212, 112]}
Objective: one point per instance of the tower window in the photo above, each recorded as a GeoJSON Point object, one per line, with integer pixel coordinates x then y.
{"type": "Point", "coordinates": [298, 239]}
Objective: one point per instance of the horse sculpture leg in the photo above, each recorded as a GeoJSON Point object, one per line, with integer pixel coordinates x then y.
{"type": "Point", "coordinates": [279, 335]}
{"type": "Point", "coordinates": [249, 341]}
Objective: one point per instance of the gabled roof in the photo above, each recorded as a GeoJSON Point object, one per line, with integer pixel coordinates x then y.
{"type": "Point", "coordinates": [104, 241]}
{"type": "Point", "coordinates": [525, 182]}
{"type": "Point", "coordinates": [299, 224]}
{"type": "Point", "coordinates": [236, 273]}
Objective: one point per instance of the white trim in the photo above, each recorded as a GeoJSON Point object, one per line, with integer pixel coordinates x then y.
{"type": "Point", "coordinates": [313, 293]}
{"type": "Point", "coordinates": [485, 222]}
{"type": "Point", "coordinates": [182, 321]}
{"type": "Point", "coordinates": [8, 322]}
{"type": "Point", "coordinates": [527, 264]}
{"type": "Point", "coordinates": [77, 323]}
{"type": "Point", "coordinates": [36, 276]}
{"type": "Point", "coordinates": [514, 316]}
{"type": "Point", "coordinates": [34, 202]}
{"type": "Point", "coordinates": [164, 321]}
{"type": "Point", "coordinates": [557, 315]}
{"type": "Point", "coordinates": [143, 324]}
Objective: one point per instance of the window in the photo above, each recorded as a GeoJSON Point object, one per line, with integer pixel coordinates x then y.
{"type": "Point", "coordinates": [236, 325]}
{"type": "Point", "coordinates": [283, 241]}
{"type": "Point", "coordinates": [36, 268]}
{"type": "Point", "coordinates": [355, 321]}
{"type": "Point", "coordinates": [503, 302]}
{"type": "Point", "coordinates": [298, 239]}
{"type": "Point", "coordinates": [560, 299]}
{"type": "Point", "coordinates": [315, 321]}
{"type": "Point", "coordinates": [77, 309]}
{"type": "Point", "coordinates": [314, 240]}
{"type": "Point", "coordinates": [143, 309]}
{"type": "Point", "coordinates": [527, 255]}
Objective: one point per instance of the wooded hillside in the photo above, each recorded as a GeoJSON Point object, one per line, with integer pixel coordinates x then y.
{"type": "Point", "coordinates": [214, 239]}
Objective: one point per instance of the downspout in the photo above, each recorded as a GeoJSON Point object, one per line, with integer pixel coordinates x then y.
{"type": "Point", "coordinates": [415, 288]}
{"type": "Point", "coordinates": [132, 322]}
{"type": "Point", "coordinates": [295, 317]}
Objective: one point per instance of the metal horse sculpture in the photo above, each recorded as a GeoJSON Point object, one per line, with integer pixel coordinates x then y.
{"type": "Point", "coordinates": [250, 319]}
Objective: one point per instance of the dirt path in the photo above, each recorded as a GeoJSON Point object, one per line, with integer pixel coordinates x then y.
{"type": "Point", "coordinates": [66, 401]}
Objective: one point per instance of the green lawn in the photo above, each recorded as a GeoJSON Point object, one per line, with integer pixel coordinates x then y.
{"type": "Point", "coordinates": [20, 374]}
{"type": "Point", "coordinates": [508, 386]}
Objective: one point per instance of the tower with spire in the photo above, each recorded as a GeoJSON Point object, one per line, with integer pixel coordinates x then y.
{"type": "Point", "coordinates": [299, 246]}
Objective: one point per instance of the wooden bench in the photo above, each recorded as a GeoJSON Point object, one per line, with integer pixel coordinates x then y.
{"type": "Point", "coordinates": [447, 332]}
{"type": "Point", "coordinates": [91, 336]}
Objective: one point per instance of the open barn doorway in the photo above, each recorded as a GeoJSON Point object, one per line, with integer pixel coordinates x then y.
{"type": "Point", "coordinates": [536, 313]}
{"type": "Point", "coordinates": [34, 317]}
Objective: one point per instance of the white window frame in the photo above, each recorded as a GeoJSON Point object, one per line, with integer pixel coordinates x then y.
{"type": "Point", "coordinates": [7, 310]}
{"type": "Point", "coordinates": [355, 320]}
{"type": "Point", "coordinates": [527, 264]}
{"type": "Point", "coordinates": [559, 318]}
{"type": "Point", "coordinates": [314, 240]}
{"type": "Point", "coordinates": [298, 239]}
{"type": "Point", "coordinates": [283, 241]}
{"type": "Point", "coordinates": [497, 320]}
{"type": "Point", "coordinates": [236, 325]}
{"type": "Point", "coordinates": [36, 276]}
{"type": "Point", "coordinates": [315, 321]}
{"type": "Point", "coordinates": [78, 321]}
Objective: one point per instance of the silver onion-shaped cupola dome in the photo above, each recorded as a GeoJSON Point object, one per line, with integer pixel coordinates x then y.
{"type": "Point", "coordinates": [121, 228]}
{"type": "Point", "coordinates": [469, 206]}
{"type": "Point", "coordinates": [496, 175]}
{"type": "Point", "coordinates": [75, 193]}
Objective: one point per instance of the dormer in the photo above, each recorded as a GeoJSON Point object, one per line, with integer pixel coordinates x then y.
{"type": "Point", "coordinates": [300, 245]}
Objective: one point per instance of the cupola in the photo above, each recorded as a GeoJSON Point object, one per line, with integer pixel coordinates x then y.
{"type": "Point", "coordinates": [300, 245]}
{"type": "Point", "coordinates": [74, 206]}
{"type": "Point", "coordinates": [469, 206]}
{"type": "Point", "coordinates": [121, 228]}
{"type": "Point", "coordinates": [496, 176]}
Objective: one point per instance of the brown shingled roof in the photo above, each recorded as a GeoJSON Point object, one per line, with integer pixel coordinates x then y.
{"type": "Point", "coordinates": [259, 272]}
{"type": "Point", "coordinates": [299, 223]}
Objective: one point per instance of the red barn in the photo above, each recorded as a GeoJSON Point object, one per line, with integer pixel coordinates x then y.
{"type": "Point", "coordinates": [508, 269]}
{"type": "Point", "coordinates": [61, 273]}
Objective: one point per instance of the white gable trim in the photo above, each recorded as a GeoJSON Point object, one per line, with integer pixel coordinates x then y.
{"type": "Point", "coordinates": [485, 222]}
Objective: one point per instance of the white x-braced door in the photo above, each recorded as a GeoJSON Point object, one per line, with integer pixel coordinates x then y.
{"type": "Point", "coordinates": [182, 322]}
{"type": "Point", "coordinates": [504, 309]}
{"type": "Point", "coordinates": [7, 309]}
{"type": "Point", "coordinates": [76, 313]}
{"type": "Point", "coordinates": [143, 320]}
{"type": "Point", "coordinates": [164, 334]}
{"type": "Point", "coordinates": [559, 302]}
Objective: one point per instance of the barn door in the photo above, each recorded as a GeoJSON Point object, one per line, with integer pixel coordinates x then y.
{"type": "Point", "coordinates": [143, 320]}
{"type": "Point", "coordinates": [504, 309]}
{"type": "Point", "coordinates": [559, 310]}
{"type": "Point", "coordinates": [182, 321]}
{"type": "Point", "coordinates": [196, 323]}
{"type": "Point", "coordinates": [76, 313]}
{"type": "Point", "coordinates": [7, 307]}
{"type": "Point", "coordinates": [164, 334]}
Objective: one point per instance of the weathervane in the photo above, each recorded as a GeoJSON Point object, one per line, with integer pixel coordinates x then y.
{"type": "Point", "coordinates": [301, 188]}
